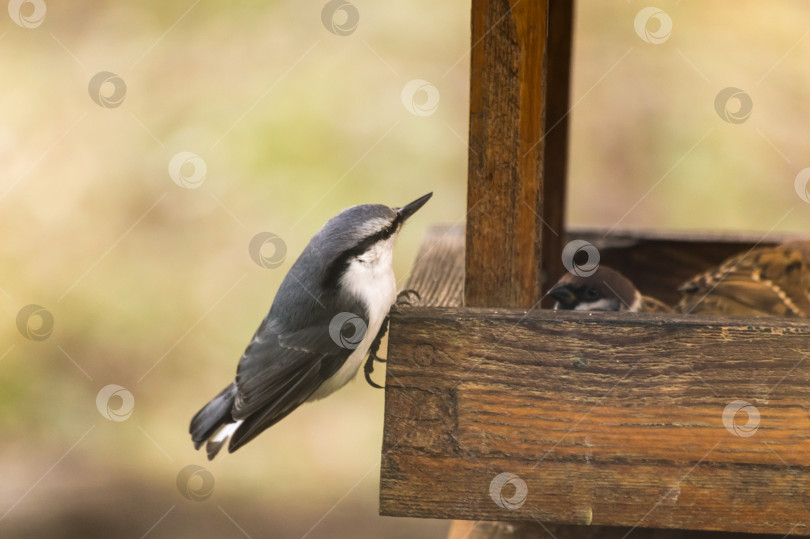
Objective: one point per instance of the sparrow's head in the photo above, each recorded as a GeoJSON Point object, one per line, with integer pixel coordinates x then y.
{"type": "Point", "coordinates": [604, 290]}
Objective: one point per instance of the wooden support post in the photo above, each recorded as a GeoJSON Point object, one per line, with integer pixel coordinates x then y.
{"type": "Point", "coordinates": [555, 155]}
{"type": "Point", "coordinates": [519, 87]}
{"type": "Point", "coordinates": [518, 114]}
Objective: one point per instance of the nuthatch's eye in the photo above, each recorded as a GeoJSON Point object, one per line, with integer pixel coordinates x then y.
{"type": "Point", "coordinates": [592, 293]}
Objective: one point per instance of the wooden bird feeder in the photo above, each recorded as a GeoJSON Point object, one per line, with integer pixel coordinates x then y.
{"type": "Point", "coordinates": [612, 423]}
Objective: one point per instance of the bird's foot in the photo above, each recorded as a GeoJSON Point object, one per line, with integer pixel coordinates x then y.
{"type": "Point", "coordinates": [368, 368]}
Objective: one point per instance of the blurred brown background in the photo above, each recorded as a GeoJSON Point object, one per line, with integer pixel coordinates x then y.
{"type": "Point", "coordinates": [151, 286]}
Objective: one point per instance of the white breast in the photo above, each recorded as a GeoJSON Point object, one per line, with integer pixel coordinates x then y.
{"type": "Point", "coordinates": [370, 278]}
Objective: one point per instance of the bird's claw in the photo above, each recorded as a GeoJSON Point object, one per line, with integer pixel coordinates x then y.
{"type": "Point", "coordinates": [368, 369]}
{"type": "Point", "coordinates": [404, 298]}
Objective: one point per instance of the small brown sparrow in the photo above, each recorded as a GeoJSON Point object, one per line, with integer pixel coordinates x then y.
{"type": "Point", "coordinates": [766, 281]}
{"type": "Point", "coordinates": [604, 290]}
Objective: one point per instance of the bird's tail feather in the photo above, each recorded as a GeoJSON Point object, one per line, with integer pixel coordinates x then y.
{"type": "Point", "coordinates": [214, 423]}
{"type": "Point", "coordinates": [219, 438]}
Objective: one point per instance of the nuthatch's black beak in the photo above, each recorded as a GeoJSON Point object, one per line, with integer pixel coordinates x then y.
{"type": "Point", "coordinates": [409, 209]}
{"type": "Point", "coordinates": [564, 296]}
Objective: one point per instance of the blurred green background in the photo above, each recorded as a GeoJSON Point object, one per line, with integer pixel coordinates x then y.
{"type": "Point", "coordinates": [151, 285]}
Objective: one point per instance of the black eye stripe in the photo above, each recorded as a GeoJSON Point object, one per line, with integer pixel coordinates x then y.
{"type": "Point", "coordinates": [339, 265]}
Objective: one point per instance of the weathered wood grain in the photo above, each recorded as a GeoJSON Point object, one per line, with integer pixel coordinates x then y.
{"type": "Point", "coordinates": [438, 273]}
{"type": "Point", "coordinates": [505, 186]}
{"type": "Point", "coordinates": [612, 419]}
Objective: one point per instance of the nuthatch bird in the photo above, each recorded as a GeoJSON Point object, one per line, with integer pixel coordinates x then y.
{"type": "Point", "coordinates": [330, 309]}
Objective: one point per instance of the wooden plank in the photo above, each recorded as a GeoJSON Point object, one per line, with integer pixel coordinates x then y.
{"type": "Point", "coordinates": [610, 419]}
{"type": "Point", "coordinates": [505, 173]}
{"type": "Point", "coordinates": [438, 273]}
